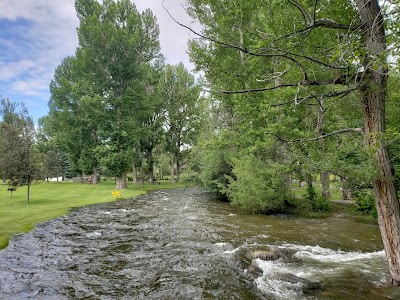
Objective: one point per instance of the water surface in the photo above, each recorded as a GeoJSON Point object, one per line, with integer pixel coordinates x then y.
{"type": "Point", "coordinates": [182, 244]}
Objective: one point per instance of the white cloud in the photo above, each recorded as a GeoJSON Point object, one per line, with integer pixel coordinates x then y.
{"type": "Point", "coordinates": [43, 33]}
{"type": "Point", "coordinates": [173, 37]}
{"type": "Point", "coordinates": [29, 87]}
{"type": "Point", "coordinates": [11, 70]}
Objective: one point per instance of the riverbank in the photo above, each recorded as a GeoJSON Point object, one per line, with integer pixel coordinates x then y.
{"type": "Point", "coordinates": [53, 199]}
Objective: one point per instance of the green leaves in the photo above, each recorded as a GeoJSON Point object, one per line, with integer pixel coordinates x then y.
{"type": "Point", "coordinates": [99, 97]}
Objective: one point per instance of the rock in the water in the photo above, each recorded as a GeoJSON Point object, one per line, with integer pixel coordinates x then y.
{"type": "Point", "coordinates": [254, 269]}
{"type": "Point", "coordinates": [270, 254]}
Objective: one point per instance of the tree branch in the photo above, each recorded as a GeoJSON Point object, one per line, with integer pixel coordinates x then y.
{"type": "Point", "coordinates": [286, 55]}
{"type": "Point", "coordinates": [325, 135]}
{"type": "Point", "coordinates": [324, 22]}
{"type": "Point", "coordinates": [302, 83]}
{"type": "Point", "coordinates": [307, 19]}
{"type": "Point", "coordinates": [260, 89]}
{"type": "Point", "coordinates": [299, 101]}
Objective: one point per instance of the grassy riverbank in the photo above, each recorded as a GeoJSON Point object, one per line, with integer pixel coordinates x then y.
{"type": "Point", "coordinates": [51, 200]}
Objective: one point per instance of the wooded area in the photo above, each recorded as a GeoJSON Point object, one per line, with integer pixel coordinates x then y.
{"type": "Point", "coordinates": [293, 92]}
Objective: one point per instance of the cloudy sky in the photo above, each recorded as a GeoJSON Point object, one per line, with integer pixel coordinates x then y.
{"type": "Point", "coordinates": [35, 36]}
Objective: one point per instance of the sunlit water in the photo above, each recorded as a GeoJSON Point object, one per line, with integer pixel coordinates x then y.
{"type": "Point", "coordinates": [182, 244]}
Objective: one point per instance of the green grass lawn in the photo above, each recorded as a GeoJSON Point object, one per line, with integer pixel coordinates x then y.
{"type": "Point", "coordinates": [299, 192]}
{"type": "Point", "coordinates": [51, 200]}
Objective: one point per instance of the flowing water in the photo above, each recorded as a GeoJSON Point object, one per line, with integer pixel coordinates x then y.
{"type": "Point", "coordinates": [182, 244]}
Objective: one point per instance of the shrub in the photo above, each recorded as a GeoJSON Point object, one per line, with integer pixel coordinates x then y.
{"type": "Point", "coordinates": [259, 186]}
{"type": "Point", "coordinates": [365, 201]}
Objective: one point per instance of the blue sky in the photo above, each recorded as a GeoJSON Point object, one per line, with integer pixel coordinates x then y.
{"type": "Point", "coordinates": [35, 36]}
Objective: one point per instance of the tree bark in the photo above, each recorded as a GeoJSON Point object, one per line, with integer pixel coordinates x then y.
{"type": "Point", "coordinates": [324, 176]}
{"type": "Point", "coordinates": [372, 96]}
{"type": "Point", "coordinates": [134, 174]}
{"type": "Point", "coordinates": [172, 167]}
{"type": "Point", "coordinates": [141, 166]}
{"type": "Point", "coordinates": [151, 166]}
{"type": "Point", "coordinates": [28, 196]}
{"type": "Point", "coordinates": [94, 175]}
{"type": "Point", "coordinates": [346, 193]}
{"type": "Point", "coordinates": [120, 182]}
{"type": "Point", "coordinates": [178, 165]}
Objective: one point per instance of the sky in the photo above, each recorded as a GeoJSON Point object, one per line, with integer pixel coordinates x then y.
{"type": "Point", "coordinates": [36, 35]}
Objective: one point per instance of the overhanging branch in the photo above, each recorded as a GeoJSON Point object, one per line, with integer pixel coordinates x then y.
{"type": "Point", "coordinates": [325, 135]}
{"type": "Point", "coordinates": [287, 54]}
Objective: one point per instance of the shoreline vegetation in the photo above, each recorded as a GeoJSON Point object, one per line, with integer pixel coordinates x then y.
{"type": "Point", "coordinates": [50, 200]}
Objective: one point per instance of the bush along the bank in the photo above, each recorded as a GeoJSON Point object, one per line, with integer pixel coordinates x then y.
{"type": "Point", "coordinates": [365, 202]}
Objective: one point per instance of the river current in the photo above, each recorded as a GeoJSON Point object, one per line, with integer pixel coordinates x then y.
{"type": "Point", "coordinates": [183, 244]}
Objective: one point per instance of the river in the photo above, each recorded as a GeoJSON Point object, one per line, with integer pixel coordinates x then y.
{"type": "Point", "coordinates": [183, 244]}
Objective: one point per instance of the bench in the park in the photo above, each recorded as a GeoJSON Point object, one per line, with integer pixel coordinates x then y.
{"type": "Point", "coordinates": [12, 189]}
{"type": "Point", "coordinates": [117, 194]}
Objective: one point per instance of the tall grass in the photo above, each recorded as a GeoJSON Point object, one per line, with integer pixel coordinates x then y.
{"type": "Point", "coordinates": [51, 200]}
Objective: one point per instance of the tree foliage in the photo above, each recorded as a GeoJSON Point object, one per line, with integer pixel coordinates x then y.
{"type": "Point", "coordinates": [18, 159]}
{"type": "Point", "coordinates": [323, 52]}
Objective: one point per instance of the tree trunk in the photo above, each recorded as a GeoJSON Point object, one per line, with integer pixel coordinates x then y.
{"type": "Point", "coordinates": [94, 175]}
{"type": "Point", "coordinates": [172, 168]}
{"type": "Point", "coordinates": [134, 169]}
{"type": "Point", "coordinates": [141, 166]}
{"type": "Point", "coordinates": [80, 177]}
{"type": "Point", "coordinates": [324, 178]}
{"type": "Point", "coordinates": [346, 193]}
{"type": "Point", "coordinates": [151, 166]}
{"type": "Point", "coordinates": [120, 182]}
{"type": "Point", "coordinates": [178, 165]}
{"type": "Point", "coordinates": [372, 96]}
{"type": "Point", "coordinates": [134, 174]}
{"type": "Point", "coordinates": [29, 193]}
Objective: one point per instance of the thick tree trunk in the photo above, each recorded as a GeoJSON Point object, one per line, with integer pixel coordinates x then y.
{"type": "Point", "coordinates": [120, 182]}
{"type": "Point", "coordinates": [372, 95]}
{"type": "Point", "coordinates": [324, 178]}
{"type": "Point", "coordinates": [94, 175]}
{"type": "Point", "coordinates": [172, 168]}
{"type": "Point", "coordinates": [80, 177]}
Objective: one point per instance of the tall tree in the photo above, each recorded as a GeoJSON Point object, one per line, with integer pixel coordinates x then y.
{"type": "Point", "coordinates": [120, 41]}
{"type": "Point", "coordinates": [335, 45]}
{"type": "Point", "coordinates": [180, 94]}
{"type": "Point", "coordinates": [76, 111]}
{"type": "Point", "coordinates": [18, 160]}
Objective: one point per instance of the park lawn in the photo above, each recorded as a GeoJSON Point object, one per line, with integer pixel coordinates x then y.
{"type": "Point", "coordinates": [299, 192]}
{"type": "Point", "coordinates": [54, 199]}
